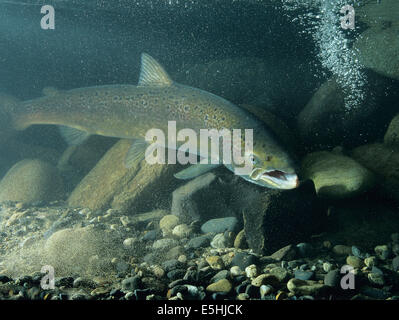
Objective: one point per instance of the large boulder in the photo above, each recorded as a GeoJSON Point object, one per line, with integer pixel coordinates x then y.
{"type": "Point", "coordinates": [111, 184]}
{"type": "Point", "coordinates": [78, 160]}
{"type": "Point", "coordinates": [30, 181]}
{"type": "Point", "coordinates": [325, 122]}
{"type": "Point", "coordinates": [276, 218]}
{"type": "Point", "coordinates": [383, 160]}
{"type": "Point", "coordinates": [392, 135]}
{"type": "Point", "coordinates": [336, 176]}
{"type": "Point", "coordinates": [378, 49]}
{"type": "Point", "coordinates": [322, 110]}
{"type": "Point", "coordinates": [378, 13]}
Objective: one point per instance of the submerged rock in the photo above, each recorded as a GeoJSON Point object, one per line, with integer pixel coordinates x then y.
{"type": "Point", "coordinates": [275, 218]}
{"type": "Point", "coordinates": [326, 122]}
{"type": "Point", "coordinates": [220, 225]}
{"type": "Point", "coordinates": [378, 13]}
{"type": "Point", "coordinates": [110, 183]}
{"type": "Point", "coordinates": [392, 135]}
{"type": "Point", "coordinates": [30, 181]}
{"type": "Point", "coordinates": [81, 250]}
{"type": "Point", "coordinates": [336, 176]}
{"type": "Point", "coordinates": [183, 204]}
{"type": "Point", "coordinates": [378, 50]}
{"type": "Point", "coordinates": [78, 160]}
{"type": "Point", "coordinates": [321, 119]}
{"type": "Point", "coordinates": [383, 161]}
{"type": "Point", "coordinates": [306, 287]}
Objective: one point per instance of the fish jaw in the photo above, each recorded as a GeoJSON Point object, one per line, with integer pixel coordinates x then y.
{"type": "Point", "coordinates": [273, 179]}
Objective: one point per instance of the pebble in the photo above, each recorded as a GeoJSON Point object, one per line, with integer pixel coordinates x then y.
{"type": "Point", "coordinates": [382, 252]}
{"type": "Point", "coordinates": [221, 225]}
{"type": "Point", "coordinates": [265, 290]}
{"type": "Point", "coordinates": [251, 271]}
{"type": "Point", "coordinates": [354, 262]}
{"type": "Point", "coordinates": [280, 273]}
{"type": "Point", "coordinates": [303, 275]}
{"type": "Point", "coordinates": [129, 243]}
{"type": "Point", "coordinates": [151, 235]}
{"type": "Point", "coordinates": [223, 274]}
{"type": "Point", "coordinates": [222, 240]}
{"type": "Point", "coordinates": [168, 222]}
{"type": "Point", "coordinates": [182, 258]}
{"type": "Point", "coordinates": [243, 296]}
{"type": "Point", "coordinates": [164, 244]}
{"type": "Point", "coordinates": [176, 274]}
{"type": "Point", "coordinates": [243, 260]}
{"type": "Point", "coordinates": [131, 283]}
{"type": "Point", "coordinates": [174, 252]}
{"type": "Point", "coordinates": [182, 231]}
{"type": "Point", "coordinates": [222, 285]}
{"type": "Point", "coordinates": [215, 262]}
{"type": "Point", "coordinates": [342, 250]}
{"type": "Point", "coordinates": [306, 287]}
{"type": "Point", "coordinates": [240, 242]}
{"type": "Point", "coordinates": [199, 242]}
{"type": "Point", "coordinates": [172, 264]}
{"type": "Point", "coordinates": [236, 271]}
{"type": "Point", "coordinates": [267, 279]}
{"type": "Point", "coordinates": [395, 263]}
{"type": "Point", "coordinates": [370, 261]}
{"type": "Point", "coordinates": [332, 278]}
{"type": "Point", "coordinates": [376, 279]}
{"type": "Point", "coordinates": [327, 266]}
{"type": "Point", "coordinates": [286, 253]}
{"type": "Point", "coordinates": [158, 271]}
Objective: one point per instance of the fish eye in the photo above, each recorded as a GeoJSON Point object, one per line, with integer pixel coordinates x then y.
{"type": "Point", "coordinates": [253, 159]}
{"type": "Point", "coordinates": [268, 158]}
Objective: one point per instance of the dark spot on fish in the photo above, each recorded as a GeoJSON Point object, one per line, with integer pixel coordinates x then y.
{"type": "Point", "coordinates": [186, 108]}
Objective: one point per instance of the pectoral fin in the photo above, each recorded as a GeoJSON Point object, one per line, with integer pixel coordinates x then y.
{"type": "Point", "coordinates": [195, 170]}
{"type": "Point", "coordinates": [136, 153]}
{"type": "Point", "coordinates": [73, 136]}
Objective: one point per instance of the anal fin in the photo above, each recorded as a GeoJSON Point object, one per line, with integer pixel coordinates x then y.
{"type": "Point", "coordinates": [136, 153]}
{"type": "Point", "coordinates": [73, 136]}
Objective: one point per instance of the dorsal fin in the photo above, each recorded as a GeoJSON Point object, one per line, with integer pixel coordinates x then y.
{"type": "Point", "coordinates": [152, 73]}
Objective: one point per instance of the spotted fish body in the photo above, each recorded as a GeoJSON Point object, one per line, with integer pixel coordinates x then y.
{"type": "Point", "coordinates": [128, 111]}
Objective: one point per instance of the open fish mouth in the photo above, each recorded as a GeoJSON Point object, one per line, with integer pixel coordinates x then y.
{"type": "Point", "coordinates": [276, 178]}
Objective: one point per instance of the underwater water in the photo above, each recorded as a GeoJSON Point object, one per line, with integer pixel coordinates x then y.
{"type": "Point", "coordinates": [85, 215]}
